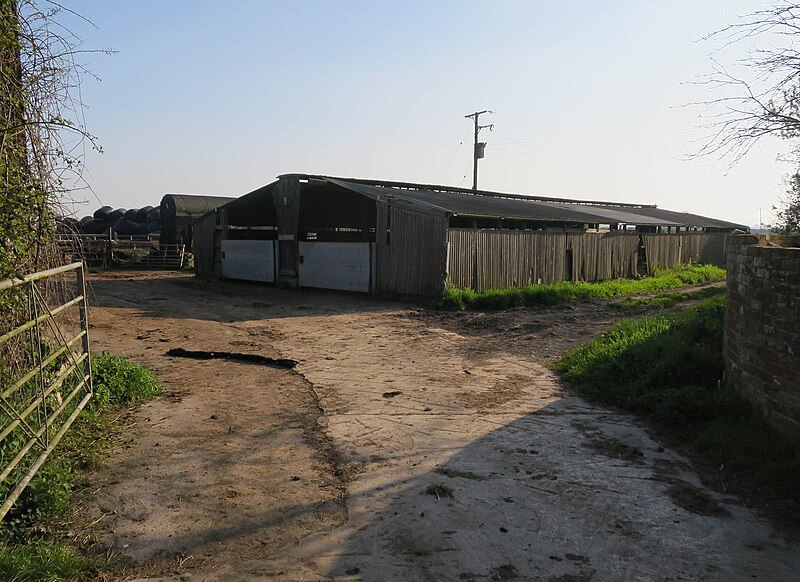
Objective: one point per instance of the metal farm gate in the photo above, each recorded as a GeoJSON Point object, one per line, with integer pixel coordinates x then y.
{"type": "Point", "coordinates": [45, 372]}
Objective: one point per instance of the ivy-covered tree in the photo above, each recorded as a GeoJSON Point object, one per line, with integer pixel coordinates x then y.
{"type": "Point", "coordinates": [41, 136]}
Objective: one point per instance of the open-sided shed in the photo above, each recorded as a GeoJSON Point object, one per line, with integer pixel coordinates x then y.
{"type": "Point", "coordinates": [413, 239]}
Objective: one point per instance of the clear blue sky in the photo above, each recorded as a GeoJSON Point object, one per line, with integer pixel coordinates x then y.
{"type": "Point", "coordinates": [220, 97]}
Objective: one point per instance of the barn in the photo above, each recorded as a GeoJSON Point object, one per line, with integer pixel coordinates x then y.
{"type": "Point", "coordinates": [399, 238]}
{"type": "Point", "coordinates": [178, 212]}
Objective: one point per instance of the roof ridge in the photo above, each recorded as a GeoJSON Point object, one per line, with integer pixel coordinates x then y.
{"type": "Point", "coordinates": [469, 191]}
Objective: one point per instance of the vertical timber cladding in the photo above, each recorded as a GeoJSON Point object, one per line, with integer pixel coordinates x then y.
{"type": "Point", "coordinates": [493, 259]}
{"type": "Point", "coordinates": [410, 249]}
{"type": "Point", "coordinates": [668, 250]}
{"type": "Point", "coordinates": [462, 248]}
{"type": "Point", "coordinates": [287, 205]}
{"type": "Point", "coordinates": [509, 258]}
{"type": "Point", "coordinates": [204, 240]}
{"type": "Point", "coordinates": [603, 255]}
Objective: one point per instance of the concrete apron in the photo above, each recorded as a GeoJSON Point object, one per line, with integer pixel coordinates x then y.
{"type": "Point", "coordinates": [544, 486]}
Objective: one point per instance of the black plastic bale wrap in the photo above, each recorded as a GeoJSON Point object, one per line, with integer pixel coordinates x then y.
{"type": "Point", "coordinates": [102, 212]}
{"type": "Point", "coordinates": [142, 213]}
{"type": "Point", "coordinates": [115, 215]}
{"type": "Point", "coordinates": [95, 227]}
{"type": "Point", "coordinates": [131, 214]}
{"type": "Point", "coordinates": [125, 227]}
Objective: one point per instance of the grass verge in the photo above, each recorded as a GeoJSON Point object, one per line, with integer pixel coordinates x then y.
{"type": "Point", "coordinates": [667, 300]}
{"type": "Point", "coordinates": [30, 546]}
{"type": "Point", "coordinates": [666, 368]}
{"type": "Point", "coordinates": [553, 293]}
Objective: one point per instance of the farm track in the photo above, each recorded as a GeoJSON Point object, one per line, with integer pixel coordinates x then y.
{"type": "Point", "coordinates": [407, 445]}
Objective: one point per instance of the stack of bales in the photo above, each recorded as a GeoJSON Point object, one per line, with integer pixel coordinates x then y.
{"type": "Point", "coordinates": [137, 221]}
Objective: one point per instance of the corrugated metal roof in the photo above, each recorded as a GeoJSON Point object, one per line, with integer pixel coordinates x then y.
{"type": "Point", "coordinates": [495, 205]}
{"type": "Point", "coordinates": [191, 204]}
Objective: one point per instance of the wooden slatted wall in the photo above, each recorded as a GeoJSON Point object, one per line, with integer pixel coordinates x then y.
{"type": "Point", "coordinates": [668, 250]}
{"type": "Point", "coordinates": [493, 259]}
{"type": "Point", "coordinates": [410, 250]}
{"type": "Point", "coordinates": [205, 245]}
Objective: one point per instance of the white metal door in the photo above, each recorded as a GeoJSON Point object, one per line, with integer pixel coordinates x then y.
{"type": "Point", "coordinates": [346, 266]}
{"type": "Point", "coordinates": [251, 260]}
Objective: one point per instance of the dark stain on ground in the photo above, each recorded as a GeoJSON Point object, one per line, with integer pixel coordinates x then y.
{"type": "Point", "coordinates": [457, 473]}
{"type": "Point", "coordinates": [235, 356]}
{"type": "Point", "coordinates": [504, 572]}
{"type": "Point", "coordinates": [580, 577]}
{"type": "Point", "coordinates": [692, 499]}
{"type": "Point", "coordinates": [616, 449]}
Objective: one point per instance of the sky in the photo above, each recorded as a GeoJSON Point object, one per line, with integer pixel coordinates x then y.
{"type": "Point", "coordinates": [589, 98]}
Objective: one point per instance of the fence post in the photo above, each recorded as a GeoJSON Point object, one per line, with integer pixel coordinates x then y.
{"type": "Point", "coordinates": [84, 319]}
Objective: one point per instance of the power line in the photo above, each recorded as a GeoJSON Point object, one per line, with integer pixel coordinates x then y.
{"type": "Point", "coordinates": [453, 156]}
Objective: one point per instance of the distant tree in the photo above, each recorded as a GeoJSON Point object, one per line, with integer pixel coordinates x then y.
{"type": "Point", "coordinates": [762, 97]}
{"type": "Point", "coordinates": [787, 212]}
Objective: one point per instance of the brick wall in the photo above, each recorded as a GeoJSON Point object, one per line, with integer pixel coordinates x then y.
{"type": "Point", "coordinates": [762, 326]}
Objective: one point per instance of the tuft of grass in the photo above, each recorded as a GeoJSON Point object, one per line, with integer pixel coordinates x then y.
{"type": "Point", "coordinates": [553, 293]}
{"type": "Point", "coordinates": [667, 368]}
{"type": "Point", "coordinates": [667, 300]}
{"type": "Point", "coordinates": [42, 561]}
{"type": "Point", "coordinates": [439, 490]}
{"type": "Point", "coordinates": [117, 381]}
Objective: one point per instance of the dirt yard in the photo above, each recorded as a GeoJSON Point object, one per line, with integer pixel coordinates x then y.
{"type": "Point", "coordinates": [406, 445]}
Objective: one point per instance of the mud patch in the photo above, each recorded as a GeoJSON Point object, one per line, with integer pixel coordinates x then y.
{"type": "Point", "coordinates": [502, 392]}
{"type": "Point", "coordinates": [616, 449]}
{"type": "Point", "coordinates": [692, 499]}
{"type": "Point", "coordinates": [504, 572]}
{"type": "Point", "coordinates": [235, 356]}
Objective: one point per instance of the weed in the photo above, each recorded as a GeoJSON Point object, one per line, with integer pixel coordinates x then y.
{"type": "Point", "coordinates": [117, 381]}
{"type": "Point", "coordinates": [553, 293]}
{"type": "Point", "coordinates": [439, 490]}
{"type": "Point", "coordinates": [667, 368]}
{"type": "Point", "coordinates": [42, 561]}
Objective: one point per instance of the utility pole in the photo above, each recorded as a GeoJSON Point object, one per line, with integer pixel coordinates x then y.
{"type": "Point", "coordinates": [478, 147]}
